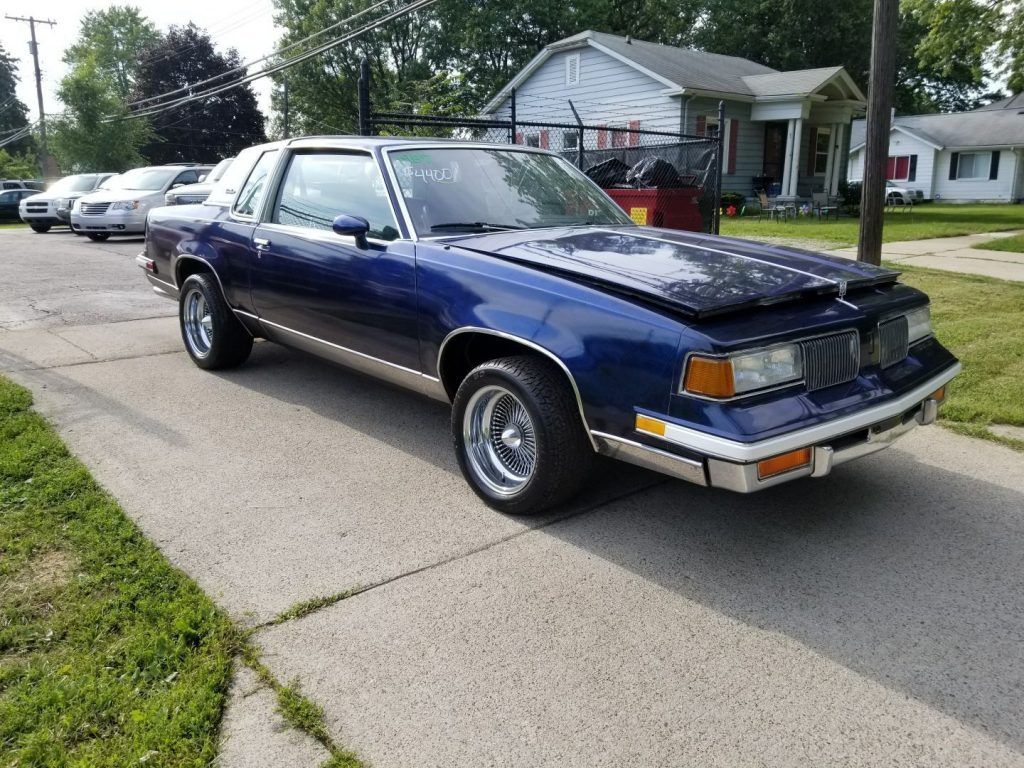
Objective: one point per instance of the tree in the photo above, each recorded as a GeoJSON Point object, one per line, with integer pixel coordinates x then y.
{"type": "Point", "coordinates": [114, 40]}
{"type": "Point", "coordinates": [13, 112]}
{"type": "Point", "coordinates": [23, 166]}
{"type": "Point", "coordinates": [208, 129]}
{"type": "Point", "coordinates": [85, 137]}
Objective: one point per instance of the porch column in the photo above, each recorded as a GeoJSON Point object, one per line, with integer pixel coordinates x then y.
{"type": "Point", "coordinates": [832, 161]}
{"type": "Point", "coordinates": [787, 164]}
{"type": "Point", "coordinates": [793, 156]}
{"type": "Point", "coordinates": [837, 161]}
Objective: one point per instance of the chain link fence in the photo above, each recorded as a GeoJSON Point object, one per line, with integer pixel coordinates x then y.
{"type": "Point", "coordinates": [660, 178]}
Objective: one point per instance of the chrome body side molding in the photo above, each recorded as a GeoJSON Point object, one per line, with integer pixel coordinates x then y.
{"type": "Point", "coordinates": [360, 361]}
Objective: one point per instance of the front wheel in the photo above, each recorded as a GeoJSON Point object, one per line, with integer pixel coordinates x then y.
{"type": "Point", "coordinates": [518, 435]}
{"type": "Point", "coordinates": [212, 334]}
{"type": "Point", "coordinates": [98, 237]}
{"type": "Point", "coordinates": [40, 228]}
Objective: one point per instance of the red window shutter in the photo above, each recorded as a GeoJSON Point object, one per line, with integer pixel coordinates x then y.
{"type": "Point", "coordinates": [812, 150]}
{"type": "Point", "coordinates": [602, 138]}
{"type": "Point", "coordinates": [634, 139]}
{"type": "Point", "coordinates": [702, 125]}
{"type": "Point", "coordinates": [543, 139]}
{"type": "Point", "coordinates": [519, 137]}
{"type": "Point", "coordinates": [902, 167]}
{"type": "Point", "coordinates": [890, 168]}
{"type": "Point", "coordinates": [733, 131]}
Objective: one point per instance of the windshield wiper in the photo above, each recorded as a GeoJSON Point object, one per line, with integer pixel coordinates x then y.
{"type": "Point", "coordinates": [481, 226]}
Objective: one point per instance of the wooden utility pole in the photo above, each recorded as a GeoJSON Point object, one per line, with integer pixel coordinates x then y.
{"type": "Point", "coordinates": [34, 48]}
{"type": "Point", "coordinates": [876, 150]}
{"type": "Point", "coordinates": [284, 111]}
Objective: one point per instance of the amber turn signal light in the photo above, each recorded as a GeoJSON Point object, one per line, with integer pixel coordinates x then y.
{"type": "Point", "coordinates": [710, 376]}
{"type": "Point", "coordinates": [784, 462]}
{"type": "Point", "coordinates": [647, 424]}
{"type": "Point", "coordinates": [938, 395]}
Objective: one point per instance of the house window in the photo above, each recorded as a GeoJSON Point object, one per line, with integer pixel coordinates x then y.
{"type": "Point", "coordinates": [570, 140]}
{"type": "Point", "coordinates": [822, 143]}
{"type": "Point", "coordinates": [707, 125]}
{"type": "Point", "coordinates": [897, 168]}
{"type": "Point", "coordinates": [532, 140]}
{"type": "Point", "coordinates": [973, 165]}
{"type": "Point", "coordinates": [572, 69]}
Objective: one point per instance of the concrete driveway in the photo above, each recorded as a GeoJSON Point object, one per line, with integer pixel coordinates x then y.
{"type": "Point", "coordinates": [870, 618]}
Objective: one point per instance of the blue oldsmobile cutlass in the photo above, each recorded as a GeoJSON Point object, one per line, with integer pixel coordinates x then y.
{"type": "Point", "coordinates": [500, 279]}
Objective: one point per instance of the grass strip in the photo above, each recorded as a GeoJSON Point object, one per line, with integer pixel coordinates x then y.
{"type": "Point", "coordinates": [307, 607]}
{"type": "Point", "coordinates": [1014, 244]}
{"type": "Point", "coordinates": [981, 320]}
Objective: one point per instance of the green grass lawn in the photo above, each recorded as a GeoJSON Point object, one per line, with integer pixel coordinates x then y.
{"type": "Point", "coordinates": [982, 321]}
{"type": "Point", "coordinates": [925, 221]}
{"type": "Point", "coordinates": [108, 655]}
{"type": "Point", "coordinates": [13, 225]}
{"type": "Point", "coordinates": [1014, 244]}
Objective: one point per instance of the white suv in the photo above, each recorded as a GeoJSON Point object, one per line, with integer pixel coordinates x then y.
{"type": "Point", "coordinates": [51, 208]}
{"type": "Point", "coordinates": [121, 208]}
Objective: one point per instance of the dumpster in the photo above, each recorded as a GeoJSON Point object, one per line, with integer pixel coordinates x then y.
{"type": "Point", "coordinates": [669, 208]}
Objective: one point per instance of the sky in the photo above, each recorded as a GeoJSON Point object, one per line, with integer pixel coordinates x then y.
{"type": "Point", "coordinates": [246, 25]}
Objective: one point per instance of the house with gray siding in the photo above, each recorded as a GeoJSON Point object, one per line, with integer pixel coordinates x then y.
{"type": "Point", "coordinates": [789, 127]}
{"type": "Point", "coordinates": [959, 157]}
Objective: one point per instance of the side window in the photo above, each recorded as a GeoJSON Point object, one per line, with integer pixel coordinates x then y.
{"type": "Point", "coordinates": [255, 186]}
{"type": "Point", "coordinates": [186, 177]}
{"type": "Point", "coordinates": [7, 197]}
{"type": "Point", "coordinates": [320, 186]}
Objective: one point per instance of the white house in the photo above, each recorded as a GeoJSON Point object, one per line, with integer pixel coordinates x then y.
{"type": "Point", "coordinates": [965, 156]}
{"type": "Point", "coordinates": [789, 126]}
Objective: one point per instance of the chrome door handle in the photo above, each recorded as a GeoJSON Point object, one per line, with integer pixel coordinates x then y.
{"type": "Point", "coordinates": [261, 243]}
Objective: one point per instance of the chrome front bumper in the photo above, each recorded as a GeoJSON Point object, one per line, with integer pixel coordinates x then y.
{"type": "Point", "coordinates": [732, 465]}
{"type": "Point", "coordinates": [112, 223]}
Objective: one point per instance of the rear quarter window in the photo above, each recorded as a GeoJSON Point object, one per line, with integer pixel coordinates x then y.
{"type": "Point", "coordinates": [225, 190]}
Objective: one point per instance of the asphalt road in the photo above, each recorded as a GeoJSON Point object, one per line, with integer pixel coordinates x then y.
{"type": "Point", "coordinates": [870, 618]}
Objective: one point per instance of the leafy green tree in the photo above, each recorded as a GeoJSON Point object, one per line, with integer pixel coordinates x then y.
{"type": "Point", "coordinates": [208, 129]}
{"type": "Point", "coordinates": [115, 41]}
{"type": "Point", "coordinates": [85, 137]}
{"type": "Point", "coordinates": [13, 112]}
{"type": "Point", "coordinates": [23, 166]}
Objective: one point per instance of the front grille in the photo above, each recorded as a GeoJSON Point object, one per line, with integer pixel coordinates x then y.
{"type": "Point", "coordinates": [831, 360]}
{"type": "Point", "coordinates": [893, 341]}
{"type": "Point", "coordinates": [37, 207]}
{"type": "Point", "coordinates": [94, 209]}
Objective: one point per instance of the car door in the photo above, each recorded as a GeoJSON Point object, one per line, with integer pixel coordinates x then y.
{"type": "Point", "coordinates": [312, 285]}
{"type": "Point", "coordinates": [9, 204]}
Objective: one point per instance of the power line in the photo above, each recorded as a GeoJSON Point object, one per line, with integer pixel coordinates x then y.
{"type": "Point", "coordinates": [287, 64]}
{"type": "Point", "coordinates": [34, 48]}
{"type": "Point", "coordinates": [247, 64]}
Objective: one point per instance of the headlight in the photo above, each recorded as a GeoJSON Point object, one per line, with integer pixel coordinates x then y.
{"type": "Point", "coordinates": [743, 372]}
{"type": "Point", "coordinates": [124, 205]}
{"type": "Point", "coordinates": [919, 324]}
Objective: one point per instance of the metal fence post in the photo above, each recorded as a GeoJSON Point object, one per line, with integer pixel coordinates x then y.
{"type": "Point", "coordinates": [579, 139]}
{"type": "Point", "coordinates": [365, 121]}
{"type": "Point", "coordinates": [512, 118]}
{"type": "Point", "coordinates": [719, 157]}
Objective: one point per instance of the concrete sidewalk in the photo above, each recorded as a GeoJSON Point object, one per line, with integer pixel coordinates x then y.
{"type": "Point", "coordinates": [953, 254]}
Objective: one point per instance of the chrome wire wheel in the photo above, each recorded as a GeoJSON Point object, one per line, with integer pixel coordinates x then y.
{"type": "Point", "coordinates": [500, 440]}
{"type": "Point", "coordinates": [198, 323]}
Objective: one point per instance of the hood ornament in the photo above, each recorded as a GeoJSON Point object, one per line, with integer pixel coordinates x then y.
{"type": "Point", "coordinates": [842, 290]}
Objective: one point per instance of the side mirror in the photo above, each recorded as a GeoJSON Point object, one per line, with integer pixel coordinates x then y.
{"type": "Point", "coordinates": [177, 184]}
{"type": "Point", "coordinates": [202, 177]}
{"type": "Point", "coordinates": [352, 226]}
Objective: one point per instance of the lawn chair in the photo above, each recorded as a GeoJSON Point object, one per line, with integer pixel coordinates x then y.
{"type": "Point", "coordinates": [773, 211]}
{"type": "Point", "coordinates": [823, 206]}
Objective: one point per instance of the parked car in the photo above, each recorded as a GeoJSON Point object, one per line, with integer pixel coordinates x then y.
{"type": "Point", "coordinates": [500, 279]}
{"type": "Point", "coordinates": [121, 208]}
{"type": "Point", "coordinates": [10, 200]}
{"type": "Point", "coordinates": [190, 194]}
{"type": "Point", "coordinates": [897, 195]}
{"type": "Point", "coordinates": [42, 210]}
{"type": "Point", "coordinates": [34, 184]}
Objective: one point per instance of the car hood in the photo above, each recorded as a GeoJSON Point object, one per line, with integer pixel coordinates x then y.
{"type": "Point", "coordinates": [192, 189]}
{"type": "Point", "coordinates": [696, 274]}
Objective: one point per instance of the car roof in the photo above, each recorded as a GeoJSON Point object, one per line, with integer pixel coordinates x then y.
{"type": "Point", "coordinates": [340, 141]}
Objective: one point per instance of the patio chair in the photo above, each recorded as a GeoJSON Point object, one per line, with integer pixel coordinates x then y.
{"type": "Point", "coordinates": [823, 206]}
{"type": "Point", "coordinates": [773, 211]}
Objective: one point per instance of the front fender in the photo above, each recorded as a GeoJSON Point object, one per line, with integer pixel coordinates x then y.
{"type": "Point", "coordinates": [619, 356]}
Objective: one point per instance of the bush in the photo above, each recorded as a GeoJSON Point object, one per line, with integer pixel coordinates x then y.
{"type": "Point", "coordinates": [733, 198]}
{"type": "Point", "coordinates": [850, 191]}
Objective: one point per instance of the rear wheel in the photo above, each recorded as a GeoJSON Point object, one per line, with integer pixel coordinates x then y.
{"type": "Point", "coordinates": [40, 228]}
{"type": "Point", "coordinates": [518, 435]}
{"type": "Point", "coordinates": [213, 336]}
{"type": "Point", "coordinates": [97, 237]}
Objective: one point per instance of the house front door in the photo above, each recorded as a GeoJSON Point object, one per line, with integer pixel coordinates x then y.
{"type": "Point", "coordinates": [774, 149]}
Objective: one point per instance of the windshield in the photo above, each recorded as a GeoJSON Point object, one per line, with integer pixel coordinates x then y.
{"type": "Point", "coordinates": [143, 179]}
{"type": "Point", "coordinates": [79, 183]}
{"type": "Point", "coordinates": [218, 171]}
{"type": "Point", "coordinates": [450, 189]}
